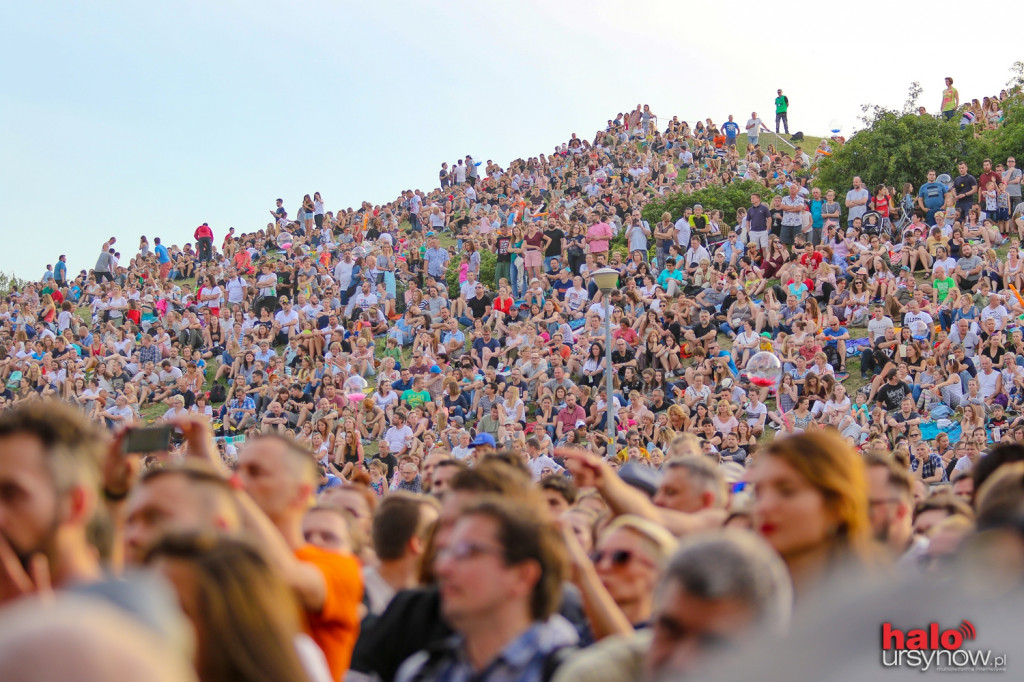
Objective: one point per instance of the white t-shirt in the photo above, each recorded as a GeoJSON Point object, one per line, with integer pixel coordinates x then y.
{"type": "Point", "coordinates": [236, 290]}
{"type": "Point", "coordinates": [286, 319]}
{"type": "Point", "coordinates": [575, 298]}
{"type": "Point", "coordinates": [364, 301]}
{"type": "Point", "coordinates": [343, 273]}
{"type": "Point", "coordinates": [920, 323]}
{"type": "Point", "coordinates": [212, 302]}
{"type": "Point", "coordinates": [747, 338]}
{"type": "Point", "coordinates": [398, 438]}
{"type": "Point", "coordinates": [987, 383]}
{"type": "Point", "coordinates": [999, 314]}
{"type": "Point", "coordinates": [117, 306]}
{"type": "Point", "coordinates": [949, 264]}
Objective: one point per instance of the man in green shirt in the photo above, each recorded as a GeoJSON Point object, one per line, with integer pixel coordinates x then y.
{"type": "Point", "coordinates": [781, 107]}
{"type": "Point", "coordinates": [415, 396]}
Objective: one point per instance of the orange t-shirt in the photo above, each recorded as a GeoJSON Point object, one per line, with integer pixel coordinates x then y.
{"type": "Point", "coordinates": [336, 627]}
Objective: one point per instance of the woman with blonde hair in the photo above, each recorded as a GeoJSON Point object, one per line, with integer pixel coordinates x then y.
{"type": "Point", "coordinates": [723, 419]}
{"type": "Point", "coordinates": [811, 505]}
{"type": "Point", "coordinates": [678, 420]}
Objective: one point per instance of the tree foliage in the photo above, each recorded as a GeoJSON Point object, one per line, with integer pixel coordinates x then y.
{"type": "Point", "coordinates": [10, 283]}
{"type": "Point", "coordinates": [488, 259]}
{"type": "Point", "coordinates": [725, 199]}
{"type": "Point", "coordinates": [895, 148]}
{"type": "Point", "coordinates": [901, 146]}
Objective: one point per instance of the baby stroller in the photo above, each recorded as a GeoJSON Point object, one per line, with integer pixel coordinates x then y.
{"type": "Point", "coordinates": [871, 223]}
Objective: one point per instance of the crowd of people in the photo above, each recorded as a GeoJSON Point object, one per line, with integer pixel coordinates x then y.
{"type": "Point", "coordinates": [387, 451]}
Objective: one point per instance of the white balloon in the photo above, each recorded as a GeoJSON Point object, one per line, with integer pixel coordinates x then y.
{"type": "Point", "coordinates": [835, 125]}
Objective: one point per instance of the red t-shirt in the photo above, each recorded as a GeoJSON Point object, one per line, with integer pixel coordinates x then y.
{"type": "Point", "coordinates": [882, 206]}
{"type": "Point", "coordinates": [985, 177]}
{"type": "Point", "coordinates": [503, 304]}
{"type": "Point", "coordinates": [807, 258]}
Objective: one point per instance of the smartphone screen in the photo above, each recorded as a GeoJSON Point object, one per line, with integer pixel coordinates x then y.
{"type": "Point", "coordinates": [148, 439]}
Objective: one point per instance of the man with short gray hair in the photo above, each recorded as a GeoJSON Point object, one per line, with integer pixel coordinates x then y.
{"type": "Point", "coordinates": [717, 589]}
{"type": "Point", "coordinates": [691, 484]}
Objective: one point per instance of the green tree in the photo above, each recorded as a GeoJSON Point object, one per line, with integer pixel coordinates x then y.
{"type": "Point", "coordinates": [901, 146]}
{"type": "Point", "coordinates": [488, 259]}
{"type": "Point", "coordinates": [894, 148]}
{"type": "Point", "coordinates": [725, 199]}
{"type": "Point", "coordinates": [1006, 140]}
{"type": "Point", "coordinates": [9, 283]}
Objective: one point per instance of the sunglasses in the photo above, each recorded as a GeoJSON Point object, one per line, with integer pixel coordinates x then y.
{"type": "Point", "coordinates": [619, 557]}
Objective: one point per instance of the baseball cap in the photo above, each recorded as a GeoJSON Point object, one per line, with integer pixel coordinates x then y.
{"type": "Point", "coordinates": [483, 439]}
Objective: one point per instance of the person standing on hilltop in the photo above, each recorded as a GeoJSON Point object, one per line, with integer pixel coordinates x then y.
{"type": "Point", "coordinates": [60, 271]}
{"type": "Point", "coordinates": [781, 111]}
{"type": "Point", "coordinates": [204, 242]}
{"type": "Point", "coordinates": [731, 130]}
{"type": "Point", "coordinates": [950, 99]}
{"type": "Point", "coordinates": [754, 126]}
{"type": "Point", "coordinates": [163, 257]}
{"type": "Point", "coordinates": [105, 263]}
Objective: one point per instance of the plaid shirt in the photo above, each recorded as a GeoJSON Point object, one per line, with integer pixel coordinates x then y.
{"type": "Point", "coordinates": [149, 353]}
{"type": "Point", "coordinates": [522, 660]}
{"type": "Point", "coordinates": [934, 462]}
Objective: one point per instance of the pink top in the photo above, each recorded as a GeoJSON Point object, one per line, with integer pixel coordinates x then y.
{"type": "Point", "coordinates": [599, 235]}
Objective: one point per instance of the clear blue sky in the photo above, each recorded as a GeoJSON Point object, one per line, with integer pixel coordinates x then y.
{"type": "Point", "coordinates": [123, 118]}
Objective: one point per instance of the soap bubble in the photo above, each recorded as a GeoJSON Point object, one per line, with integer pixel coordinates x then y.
{"type": "Point", "coordinates": [764, 369]}
{"type": "Point", "coordinates": [835, 125]}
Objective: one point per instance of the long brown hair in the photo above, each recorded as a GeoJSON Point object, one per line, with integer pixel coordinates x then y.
{"type": "Point", "coordinates": [832, 467]}
{"type": "Point", "coordinates": [247, 618]}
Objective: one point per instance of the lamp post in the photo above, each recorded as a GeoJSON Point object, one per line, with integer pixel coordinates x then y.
{"type": "Point", "coordinates": [607, 279]}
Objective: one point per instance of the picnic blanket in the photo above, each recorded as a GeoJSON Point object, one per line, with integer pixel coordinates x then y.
{"type": "Point", "coordinates": [931, 429]}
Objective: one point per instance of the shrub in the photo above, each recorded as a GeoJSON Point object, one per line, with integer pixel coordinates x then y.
{"type": "Point", "coordinates": [725, 199]}
{"type": "Point", "coordinates": [487, 261]}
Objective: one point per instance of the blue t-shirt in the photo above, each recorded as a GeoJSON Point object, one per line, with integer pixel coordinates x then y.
{"type": "Point", "coordinates": [731, 129]}
{"type": "Point", "coordinates": [933, 194]}
{"type": "Point", "coordinates": [732, 365]}
{"type": "Point", "coordinates": [161, 253]}
{"type": "Point", "coordinates": [832, 335]}
{"type": "Point", "coordinates": [798, 289]}
{"type": "Point", "coordinates": [817, 222]}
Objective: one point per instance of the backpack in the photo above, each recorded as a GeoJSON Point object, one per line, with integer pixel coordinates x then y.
{"type": "Point", "coordinates": [218, 393]}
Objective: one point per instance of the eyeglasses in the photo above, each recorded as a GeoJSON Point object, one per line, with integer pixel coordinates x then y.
{"type": "Point", "coordinates": [461, 551]}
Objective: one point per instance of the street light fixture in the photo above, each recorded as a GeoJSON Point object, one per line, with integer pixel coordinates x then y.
{"type": "Point", "coordinates": [607, 280]}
